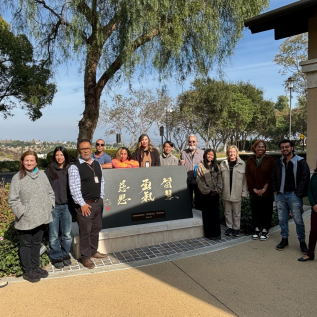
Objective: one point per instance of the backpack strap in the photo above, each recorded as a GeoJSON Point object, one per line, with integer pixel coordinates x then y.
{"type": "Point", "coordinates": [195, 170]}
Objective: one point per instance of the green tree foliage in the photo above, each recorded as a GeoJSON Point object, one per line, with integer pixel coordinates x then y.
{"type": "Point", "coordinates": [223, 112]}
{"type": "Point", "coordinates": [23, 81]}
{"type": "Point", "coordinates": [114, 37]}
{"type": "Point", "coordinates": [292, 51]}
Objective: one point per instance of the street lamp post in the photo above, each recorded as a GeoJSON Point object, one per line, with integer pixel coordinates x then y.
{"type": "Point", "coordinates": [290, 84]}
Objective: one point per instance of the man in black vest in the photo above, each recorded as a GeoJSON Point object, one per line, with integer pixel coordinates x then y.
{"type": "Point", "coordinates": [86, 186]}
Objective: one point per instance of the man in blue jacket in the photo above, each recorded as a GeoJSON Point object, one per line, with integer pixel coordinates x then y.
{"type": "Point", "coordinates": [290, 183]}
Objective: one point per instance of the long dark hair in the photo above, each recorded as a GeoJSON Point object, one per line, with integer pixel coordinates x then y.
{"type": "Point", "coordinates": [54, 165]}
{"type": "Point", "coordinates": [213, 163]}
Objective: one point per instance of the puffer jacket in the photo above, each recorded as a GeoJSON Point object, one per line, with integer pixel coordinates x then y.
{"type": "Point", "coordinates": [207, 181]}
{"type": "Point", "coordinates": [32, 200]}
{"type": "Point", "coordinates": [239, 182]}
{"type": "Point", "coordinates": [301, 175]}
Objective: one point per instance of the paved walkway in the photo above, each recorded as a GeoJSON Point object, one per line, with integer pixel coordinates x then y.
{"type": "Point", "coordinates": [243, 278]}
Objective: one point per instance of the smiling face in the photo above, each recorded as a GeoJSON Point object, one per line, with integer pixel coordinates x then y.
{"type": "Point", "coordinates": [167, 149]}
{"type": "Point", "coordinates": [29, 162]}
{"type": "Point", "coordinates": [192, 142]}
{"type": "Point", "coordinates": [286, 149]}
{"type": "Point", "coordinates": [145, 142]}
{"type": "Point", "coordinates": [60, 159]}
{"type": "Point", "coordinates": [233, 154]}
{"type": "Point", "coordinates": [123, 155]}
{"type": "Point", "coordinates": [100, 145]}
{"type": "Point", "coordinates": [85, 150]}
{"type": "Point", "coordinates": [260, 149]}
{"type": "Point", "coordinates": [210, 156]}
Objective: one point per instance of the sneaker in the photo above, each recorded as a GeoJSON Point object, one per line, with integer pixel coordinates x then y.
{"type": "Point", "coordinates": [58, 265]}
{"type": "Point", "coordinates": [32, 276]}
{"type": "Point", "coordinates": [236, 233]}
{"type": "Point", "coordinates": [42, 273]}
{"type": "Point", "coordinates": [256, 234]}
{"type": "Point", "coordinates": [303, 247]}
{"type": "Point", "coordinates": [264, 235]}
{"type": "Point", "coordinates": [67, 262]}
{"type": "Point", "coordinates": [282, 245]}
{"type": "Point", "coordinates": [228, 232]}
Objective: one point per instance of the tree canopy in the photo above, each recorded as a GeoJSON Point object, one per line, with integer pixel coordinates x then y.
{"type": "Point", "coordinates": [23, 81]}
{"type": "Point", "coordinates": [114, 37]}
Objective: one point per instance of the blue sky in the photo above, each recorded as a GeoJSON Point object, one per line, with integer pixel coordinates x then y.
{"type": "Point", "coordinates": [252, 61]}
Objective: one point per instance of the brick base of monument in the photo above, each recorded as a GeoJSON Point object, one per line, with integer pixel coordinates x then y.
{"type": "Point", "coordinates": [138, 236]}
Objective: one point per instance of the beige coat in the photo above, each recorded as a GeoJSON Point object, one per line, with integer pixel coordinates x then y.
{"type": "Point", "coordinates": [207, 181]}
{"type": "Point", "coordinates": [239, 182]}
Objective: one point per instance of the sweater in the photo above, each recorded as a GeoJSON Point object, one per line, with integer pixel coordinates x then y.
{"type": "Point", "coordinates": [126, 164]}
{"type": "Point", "coordinates": [32, 200]}
{"type": "Point", "coordinates": [168, 160]}
{"type": "Point", "coordinates": [60, 186]}
{"type": "Point", "coordinates": [258, 176]}
{"type": "Point", "coordinates": [208, 180]}
{"type": "Point", "coordinates": [239, 182]}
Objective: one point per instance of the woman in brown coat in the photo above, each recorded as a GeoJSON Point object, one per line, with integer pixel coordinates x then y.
{"type": "Point", "coordinates": [258, 172]}
{"type": "Point", "coordinates": [145, 153]}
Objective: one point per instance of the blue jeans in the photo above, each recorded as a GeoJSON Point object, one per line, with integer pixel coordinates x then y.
{"type": "Point", "coordinates": [62, 222]}
{"type": "Point", "coordinates": [289, 202]}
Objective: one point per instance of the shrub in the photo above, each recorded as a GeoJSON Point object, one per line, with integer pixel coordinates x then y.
{"type": "Point", "coordinates": [14, 166]}
{"type": "Point", "coordinates": [9, 243]}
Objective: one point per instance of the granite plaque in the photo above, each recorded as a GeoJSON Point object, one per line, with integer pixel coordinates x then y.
{"type": "Point", "coordinates": [144, 195]}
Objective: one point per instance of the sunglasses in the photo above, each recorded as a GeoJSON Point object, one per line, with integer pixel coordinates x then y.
{"type": "Point", "coordinates": [191, 142]}
{"type": "Point", "coordinates": [101, 144]}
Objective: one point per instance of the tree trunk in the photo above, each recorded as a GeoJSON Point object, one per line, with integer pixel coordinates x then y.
{"type": "Point", "coordinates": [88, 123]}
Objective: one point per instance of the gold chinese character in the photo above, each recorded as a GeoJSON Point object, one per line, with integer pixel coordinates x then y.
{"type": "Point", "coordinates": [168, 194]}
{"type": "Point", "coordinates": [167, 182]}
{"type": "Point", "coordinates": [146, 185]}
{"type": "Point", "coordinates": [122, 200]}
{"type": "Point", "coordinates": [147, 197]}
{"type": "Point", "coordinates": [123, 187]}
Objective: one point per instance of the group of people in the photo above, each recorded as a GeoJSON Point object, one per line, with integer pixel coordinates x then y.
{"type": "Point", "coordinates": [51, 197]}
{"type": "Point", "coordinates": [261, 178]}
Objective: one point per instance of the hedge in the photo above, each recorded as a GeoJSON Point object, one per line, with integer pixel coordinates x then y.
{"type": "Point", "coordinates": [13, 166]}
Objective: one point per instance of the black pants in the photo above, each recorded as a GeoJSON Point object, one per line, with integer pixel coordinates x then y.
{"type": "Point", "coordinates": [193, 188]}
{"type": "Point", "coordinates": [210, 214]}
{"type": "Point", "coordinates": [89, 228]}
{"type": "Point", "coordinates": [262, 210]}
{"type": "Point", "coordinates": [29, 249]}
{"type": "Point", "coordinates": [312, 235]}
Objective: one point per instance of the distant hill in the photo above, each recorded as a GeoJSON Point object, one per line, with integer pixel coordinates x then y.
{"type": "Point", "coordinates": [9, 155]}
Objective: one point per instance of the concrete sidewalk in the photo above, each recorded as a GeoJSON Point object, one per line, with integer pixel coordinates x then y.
{"type": "Point", "coordinates": [247, 279]}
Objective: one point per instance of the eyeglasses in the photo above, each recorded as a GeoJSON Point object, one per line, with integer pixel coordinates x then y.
{"type": "Point", "coordinates": [191, 142]}
{"type": "Point", "coordinates": [101, 144]}
{"type": "Point", "coordinates": [85, 149]}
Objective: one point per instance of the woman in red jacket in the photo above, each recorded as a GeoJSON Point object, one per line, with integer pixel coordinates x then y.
{"type": "Point", "coordinates": [123, 159]}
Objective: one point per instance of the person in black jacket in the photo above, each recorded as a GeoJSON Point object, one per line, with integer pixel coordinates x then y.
{"type": "Point", "coordinates": [290, 183]}
{"type": "Point", "coordinates": [57, 173]}
{"type": "Point", "coordinates": [145, 153]}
